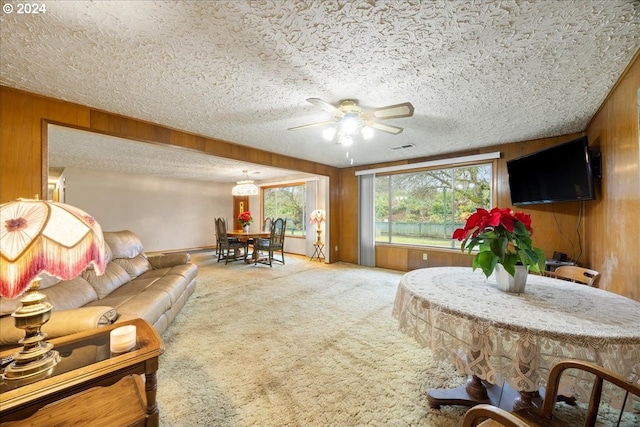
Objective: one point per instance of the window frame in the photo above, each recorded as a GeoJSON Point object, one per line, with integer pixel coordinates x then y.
{"type": "Point", "coordinates": [441, 165]}
{"type": "Point", "coordinates": [286, 185]}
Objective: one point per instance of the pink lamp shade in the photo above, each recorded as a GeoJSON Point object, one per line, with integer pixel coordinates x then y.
{"type": "Point", "coordinates": [317, 216]}
{"type": "Point", "coordinates": [43, 236]}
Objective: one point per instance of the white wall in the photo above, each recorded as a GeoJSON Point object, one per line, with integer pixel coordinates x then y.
{"type": "Point", "coordinates": [165, 213]}
{"type": "Point", "coordinates": [169, 214]}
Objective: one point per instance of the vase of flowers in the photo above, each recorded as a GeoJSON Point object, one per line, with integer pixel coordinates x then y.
{"type": "Point", "coordinates": [245, 219]}
{"type": "Point", "coordinates": [503, 240]}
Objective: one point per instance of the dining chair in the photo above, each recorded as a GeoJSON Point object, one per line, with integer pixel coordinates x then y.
{"type": "Point", "coordinates": [600, 376]}
{"type": "Point", "coordinates": [266, 225]}
{"type": "Point", "coordinates": [544, 415]}
{"type": "Point", "coordinates": [484, 415]}
{"type": "Point", "coordinates": [576, 274]}
{"type": "Point", "coordinates": [228, 248]}
{"type": "Point", "coordinates": [275, 243]}
{"type": "Point", "coordinates": [231, 239]}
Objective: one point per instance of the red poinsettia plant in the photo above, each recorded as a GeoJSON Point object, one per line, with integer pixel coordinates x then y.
{"type": "Point", "coordinates": [245, 218]}
{"type": "Point", "coordinates": [501, 236]}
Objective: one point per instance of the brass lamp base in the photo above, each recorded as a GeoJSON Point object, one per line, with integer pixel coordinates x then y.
{"type": "Point", "coordinates": [36, 360]}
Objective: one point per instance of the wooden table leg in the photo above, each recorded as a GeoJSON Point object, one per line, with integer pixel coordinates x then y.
{"type": "Point", "coordinates": [476, 391]}
{"type": "Point", "coordinates": [472, 393]}
{"type": "Point", "coordinates": [151, 387]}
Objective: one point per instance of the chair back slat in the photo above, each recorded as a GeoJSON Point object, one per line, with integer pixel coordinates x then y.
{"type": "Point", "coordinates": [601, 374]}
{"type": "Point", "coordinates": [266, 226]}
{"type": "Point", "coordinates": [578, 274]}
{"type": "Point", "coordinates": [277, 231]}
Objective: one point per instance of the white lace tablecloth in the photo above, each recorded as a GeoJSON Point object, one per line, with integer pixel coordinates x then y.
{"type": "Point", "coordinates": [463, 317]}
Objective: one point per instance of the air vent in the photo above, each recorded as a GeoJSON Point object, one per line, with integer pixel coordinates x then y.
{"type": "Point", "coordinates": [403, 147]}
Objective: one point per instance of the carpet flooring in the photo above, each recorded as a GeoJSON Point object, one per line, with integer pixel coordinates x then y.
{"type": "Point", "coordinates": [301, 344]}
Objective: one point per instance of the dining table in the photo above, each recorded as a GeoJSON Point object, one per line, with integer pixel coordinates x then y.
{"type": "Point", "coordinates": [505, 342]}
{"type": "Point", "coordinates": [247, 237]}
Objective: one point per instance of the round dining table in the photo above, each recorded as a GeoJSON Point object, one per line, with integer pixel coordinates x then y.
{"type": "Point", "coordinates": [499, 338]}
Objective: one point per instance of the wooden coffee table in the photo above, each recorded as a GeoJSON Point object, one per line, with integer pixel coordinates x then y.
{"type": "Point", "coordinates": [90, 386]}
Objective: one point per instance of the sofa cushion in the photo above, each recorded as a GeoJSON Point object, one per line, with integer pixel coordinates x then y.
{"type": "Point", "coordinates": [134, 266]}
{"type": "Point", "coordinates": [169, 260]}
{"type": "Point", "coordinates": [123, 244]}
{"type": "Point", "coordinates": [8, 306]}
{"type": "Point", "coordinates": [48, 280]}
{"type": "Point", "coordinates": [69, 294]}
{"type": "Point", "coordinates": [148, 305]}
{"type": "Point", "coordinates": [62, 295]}
{"type": "Point", "coordinates": [63, 322]}
{"type": "Point", "coordinates": [114, 276]}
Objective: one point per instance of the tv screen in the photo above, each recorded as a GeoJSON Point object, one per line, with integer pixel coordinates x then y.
{"type": "Point", "coordinates": [561, 173]}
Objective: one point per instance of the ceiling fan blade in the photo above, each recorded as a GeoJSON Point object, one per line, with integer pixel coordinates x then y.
{"type": "Point", "coordinates": [393, 111]}
{"type": "Point", "coordinates": [313, 125]}
{"type": "Point", "coordinates": [326, 107]}
{"type": "Point", "coordinates": [385, 127]}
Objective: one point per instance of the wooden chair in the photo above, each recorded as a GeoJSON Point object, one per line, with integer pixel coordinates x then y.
{"type": "Point", "coordinates": [492, 416]}
{"type": "Point", "coordinates": [600, 376]}
{"type": "Point", "coordinates": [544, 416]}
{"type": "Point", "coordinates": [576, 274]}
{"type": "Point", "coordinates": [266, 225]}
{"type": "Point", "coordinates": [275, 243]}
{"type": "Point", "coordinates": [228, 248]}
{"type": "Point", "coordinates": [231, 239]}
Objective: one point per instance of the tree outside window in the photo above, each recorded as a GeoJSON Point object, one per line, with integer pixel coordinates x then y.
{"type": "Point", "coordinates": [424, 207]}
{"type": "Point", "coordinates": [287, 202]}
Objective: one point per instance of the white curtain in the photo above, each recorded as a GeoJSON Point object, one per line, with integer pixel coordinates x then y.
{"type": "Point", "coordinates": [311, 205]}
{"type": "Point", "coordinates": [366, 219]}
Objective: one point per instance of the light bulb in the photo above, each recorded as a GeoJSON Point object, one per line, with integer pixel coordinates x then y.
{"type": "Point", "coordinates": [349, 124]}
{"type": "Point", "coordinates": [346, 140]}
{"type": "Point", "coordinates": [329, 133]}
{"type": "Point", "coordinates": [367, 132]}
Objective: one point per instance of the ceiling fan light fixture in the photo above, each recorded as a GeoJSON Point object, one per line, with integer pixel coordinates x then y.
{"type": "Point", "coordinates": [350, 124]}
{"type": "Point", "coordinates": [329, 133]}
{"type": "Point", "coordinates": [245, 187]}
{"type": "Point", "coordinates": [346, 140]}
{"type": "Point", "coordinates": [367, 132]}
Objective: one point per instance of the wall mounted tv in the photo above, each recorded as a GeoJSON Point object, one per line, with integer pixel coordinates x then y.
{"type": "Point", "coordinates": [562, 173]}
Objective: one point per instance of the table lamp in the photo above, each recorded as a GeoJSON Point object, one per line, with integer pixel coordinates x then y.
{"type": "Point", "coordinates": [318, 217]}
{"type": "Point", "coordinates": [38, 236]}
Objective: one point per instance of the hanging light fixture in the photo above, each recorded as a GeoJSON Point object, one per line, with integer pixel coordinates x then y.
{"type": "Point", "coordinates": [349, 127]}
{"type": "Point", "coordinates": [245, 187]}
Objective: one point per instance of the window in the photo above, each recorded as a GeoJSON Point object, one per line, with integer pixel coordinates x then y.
{"type": "Point", "coordinates": [287, 202]}
{"type": "Point", "coordinates": [424, 207]}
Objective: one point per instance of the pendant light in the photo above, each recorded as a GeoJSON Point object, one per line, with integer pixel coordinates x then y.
{"type": "Point", "coordinates": [245, 187]}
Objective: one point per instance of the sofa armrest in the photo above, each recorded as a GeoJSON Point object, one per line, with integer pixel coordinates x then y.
{"type": "Point", "coordinates": [61, 323]}
{"type": "Point", "coordinates": [168, 260]}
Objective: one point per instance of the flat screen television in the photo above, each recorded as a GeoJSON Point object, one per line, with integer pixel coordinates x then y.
{"type": "Point", "coordinates": [562, 173]}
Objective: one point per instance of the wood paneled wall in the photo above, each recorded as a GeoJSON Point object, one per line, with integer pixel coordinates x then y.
{"type": "Point", "coordinates": [22, 119]}
{"type": "Point", "coordinates": [24, 154]}
{"type": "Point", "coordinates": [609, 228]}
{"type": "Point", "coordinates": [551, 223]}
{"type": "Point", "coordinates": [613, 222]}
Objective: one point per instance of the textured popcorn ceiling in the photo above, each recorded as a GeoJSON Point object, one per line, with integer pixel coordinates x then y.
{"type": "Point", "coordinates": [478, 73]}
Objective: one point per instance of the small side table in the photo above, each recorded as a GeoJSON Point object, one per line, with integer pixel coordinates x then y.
{"type": "Point", "coordinates": [318, 251]}
{"type": "Point", "coordinates": [90, 383]}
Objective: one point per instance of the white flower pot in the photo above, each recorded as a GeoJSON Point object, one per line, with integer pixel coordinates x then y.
{"type": "Point", "coordinates": [509, 283]}
{"type": "Point", "coordinates": [246, 228]}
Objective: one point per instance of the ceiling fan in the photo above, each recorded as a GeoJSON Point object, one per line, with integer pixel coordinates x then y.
{"type": "Point", "coordinates": [350, 119]}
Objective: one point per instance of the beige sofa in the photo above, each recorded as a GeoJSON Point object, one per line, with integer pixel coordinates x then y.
{"type": "Point", "coordinates": [153, 288]}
